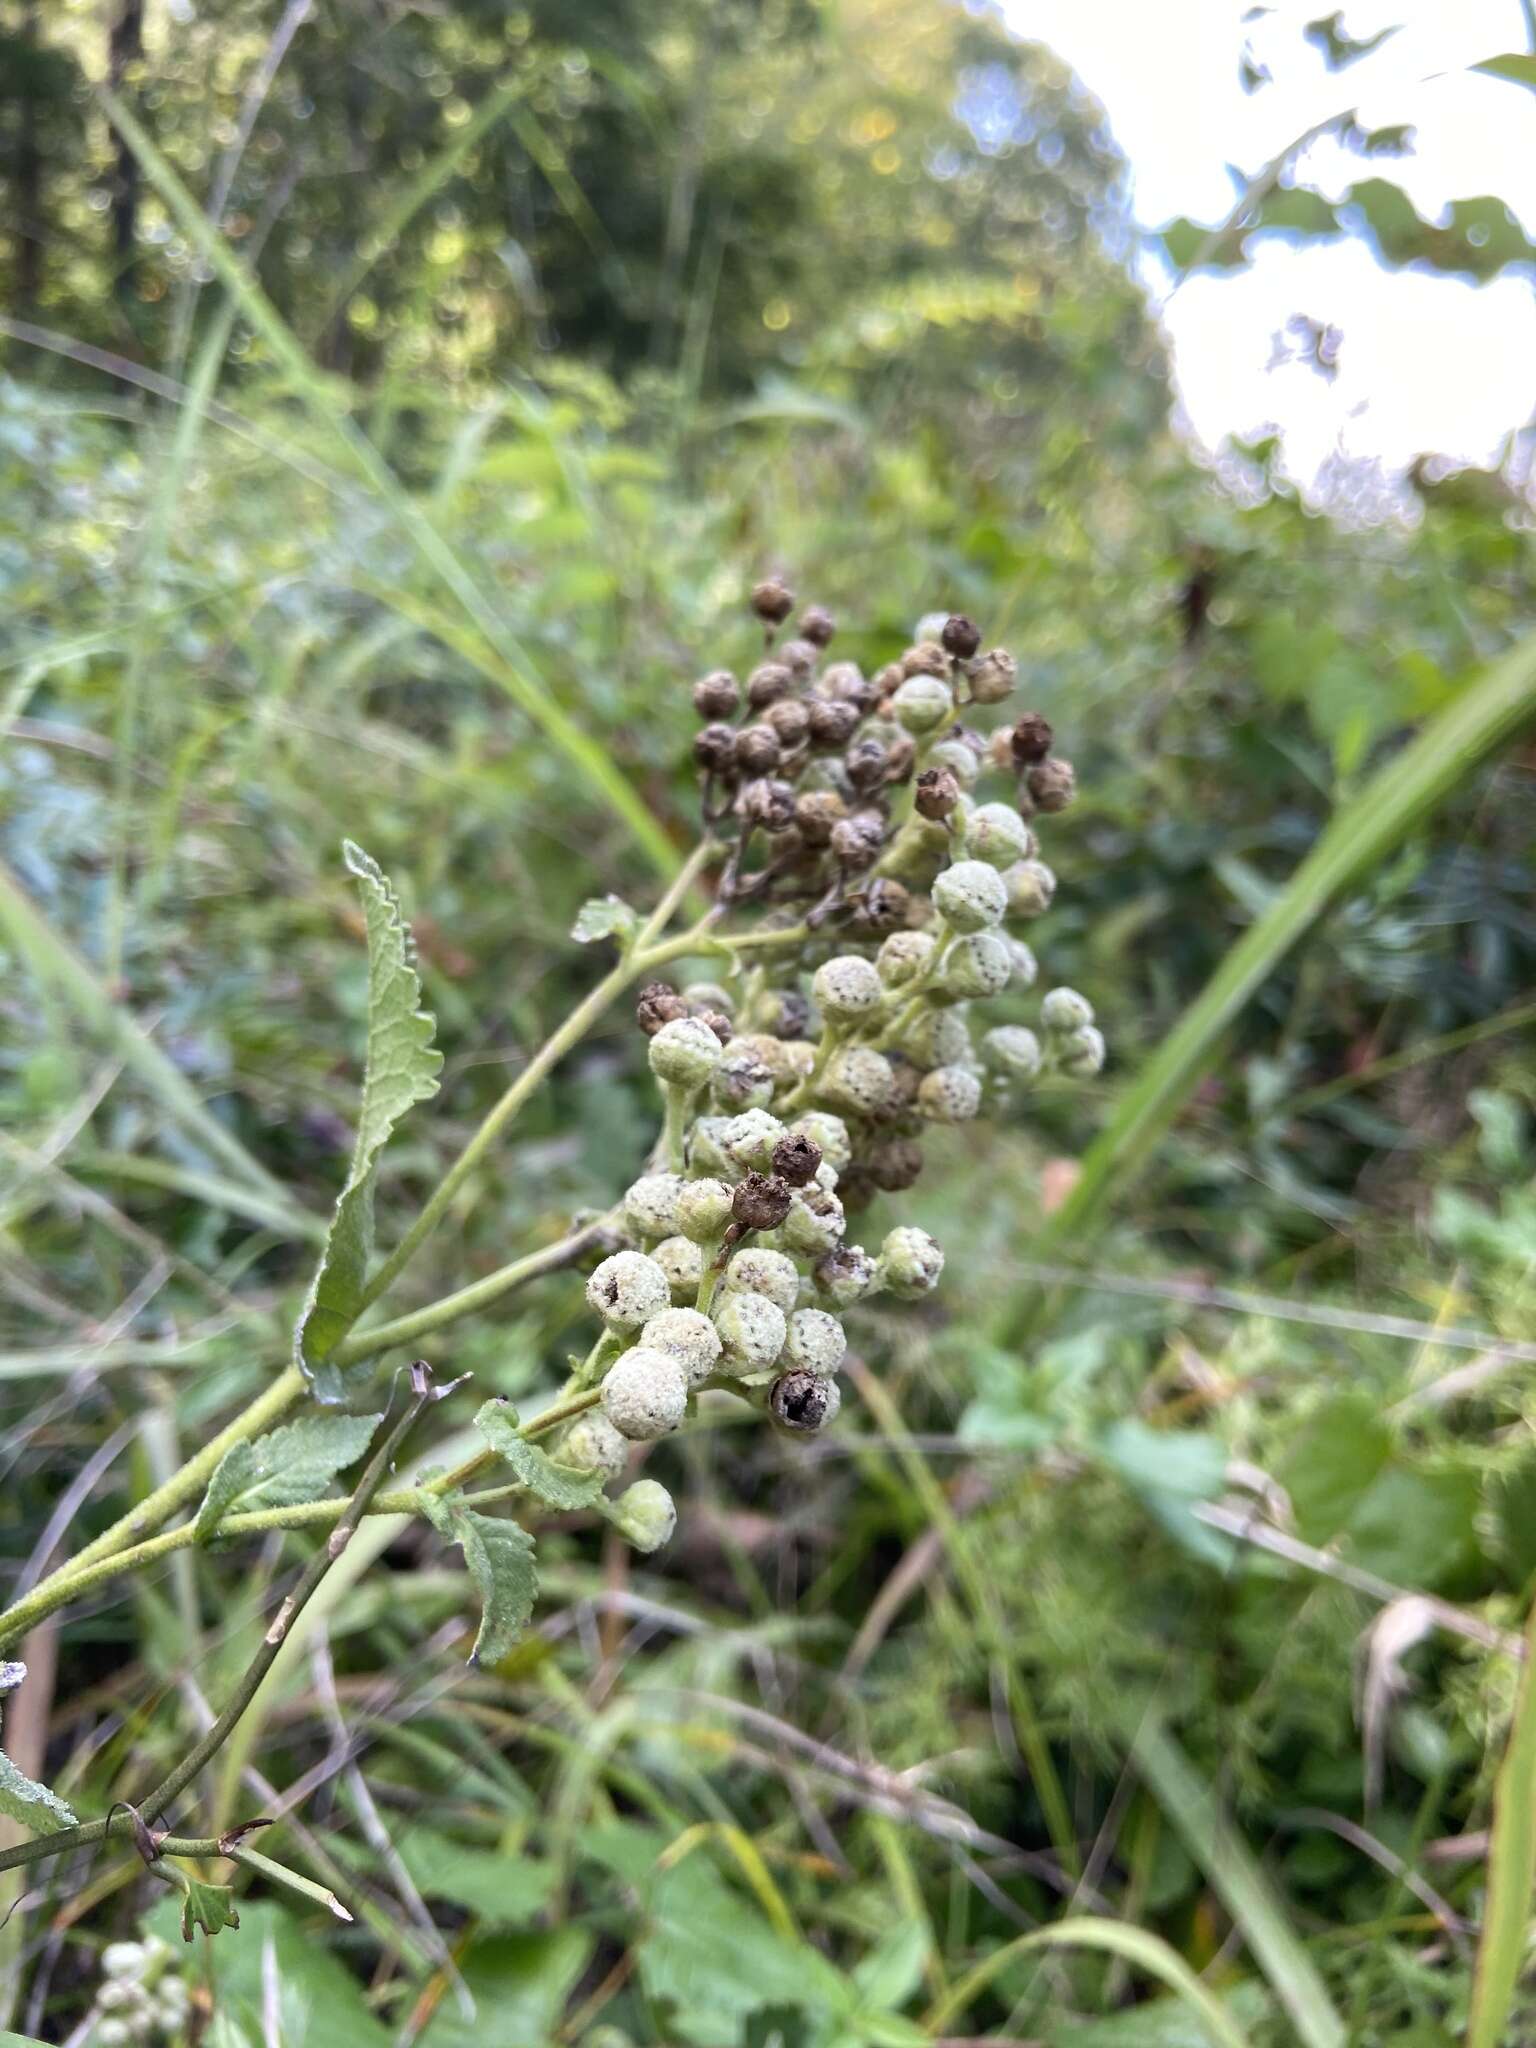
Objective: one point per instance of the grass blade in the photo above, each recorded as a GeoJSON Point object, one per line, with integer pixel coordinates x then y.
{"type": "Point", "coordinates": [1147, 1951]}
{"type": "Point", "coordinates": [1403, 793]}
{"type": "Point", "coordinates": [1238, 1882]}
{"type": "Point", "coordinates": [1506, 1935]}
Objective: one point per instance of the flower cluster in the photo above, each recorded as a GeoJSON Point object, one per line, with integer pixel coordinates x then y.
{"type": "Point", "coordinates": [140, 1997]}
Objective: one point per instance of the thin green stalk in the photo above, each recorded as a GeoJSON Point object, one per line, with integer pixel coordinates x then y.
{"type": "Point", "coordinates": [1504, 1947]}
{"type": "Point", "coordinates": [279, 1873]}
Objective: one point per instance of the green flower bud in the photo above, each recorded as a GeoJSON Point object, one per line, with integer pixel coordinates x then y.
{"type": "Point", "coordinates": [703, 1209]}
{"type": "Point", "coordinates": [755, 1270]}
{"type": "Point", "coordinates": [748, 1140]}
{"type": "Point", "coordinates": [1012, 1052]}
{"type": "Point", "coordinates": [828, 1133]}
{"type": "Point", "coordinates": [940, 1038]}
{"type": "Point", "coordinates": [997, 834]}
{"type": "Point", "coordinates": [705, 998]}
{"type": "Point", "coordinates": [1065, 1011]}
{"type": "Point", "coordinates": [1082, 1053]}
{"type": "Point", "coordinates": [683, 1263]}
{"type": "Point", "coordinates": [120, 1994]}
{"type": "Point", "coordinates": [644, 1515]}
{"type": "Point", "coordinates": [978, 965]}
{"type": "Point", "coordinates": [685, 1052]}
{"type": "Point", "coordinates": [650, 1204]}
{"type": "Point", "coordinates": [1030, 885]}
{"type": "Point", "coordinates": [904, 957]}
{"type": "Point", "coordinates": [815, 1223]}
{"type": "Point", "coordinates": [112, 2032]}
{"type": "Point", "coordinates": [124, 1959]}
{"type": "Point", "coordinates": [627, 1290]}
{"type": "Point", "coordinates": [592, 1444]}
{"type": "Point", "coordinates": [847, 1275]}
{"type": "Point", "coordinates": [687, 1336]}
{"type": "Point", "coordinates": [705, 1152]}
{"type": "Point", "coordinates": [645, 1394]}
{"type": "Point", "coordinates": [970, 897]}
{"type": "Point", "coordinates": [752, 1330]}
{"type": "Point", "coordinates": [1025, 965]}
{"type": "Point", "coordinates": [949, 1095]}
{"type": "Point", "coordinates": [858, 1079]}
{"type": "Point", "coordinates": [962, 761]}
{"type": "Point", "coordinates": [910, 1263]}
{"type": "Point", "coordinates": [816, 1341]}
{"type": "Point", "coordinates": [923, 704]}
{"type": "Point", "coordinates": [847, 987]}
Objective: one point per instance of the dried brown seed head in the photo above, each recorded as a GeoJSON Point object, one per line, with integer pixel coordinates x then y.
{"type": "Point", "coordinates": [796, 1158]}
{"type": "Point", "coordinates": [714, 748]}
{"type": "Point", "coordinates": [1031, 739]}
{"type": "Point", "coordinates": [937, 793]}
{"type": "Point", "coordinates": [757, 750]}
{"type": "Point", "coordinates": [773, 600]}
{"type": "Point", "coordinates": [961, 636]}
{"type": "Point", "coordinates": [658, 1003]}
{"type": "Point", "coordinates": [833, 721]}
{"type": "Point", "coordinates": [716, 695]}
{"type": "Point", "coordinates": [927, 658]}
{"type": "Point", "coordinates": [1053, 784]}
{"type": "Point", "coordinates": [768, 682]}
{"type": "Point", "coordinates": [817, 625]}
{"type": "Point", "coordinates": [761, 1201]}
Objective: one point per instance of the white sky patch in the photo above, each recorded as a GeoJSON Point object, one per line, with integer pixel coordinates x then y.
{"type": "Point", "coordinates": [1428, 362]}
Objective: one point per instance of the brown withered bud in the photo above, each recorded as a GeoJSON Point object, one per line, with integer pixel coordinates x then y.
{"type": "Point", "coordinates": [855, 1189]}
{"type": "Point", "coordinates": [757, 750]}
{"type": "Point", "coordinates": [937, 793]}
{"type": "Point", "coordinates": [768, 803]}
{"type": "Point", "coordinates": [833, 721]}
{"type": "Point", "coordinates": [927, 658]}
{"type": "Point", "coordinates": [894, 1164]}
{"type": "Point", "coordinates": [900, 758]}
{"type": "Point", "coordinates": [787, 1013]}
{"type": "Point", "coordinates": [856, 842]}
{"type": "Point", "coordinates": [719, 1023]}
{"type": "Point", "coordinates": [714, 747]}
{"type": "Point", "coordinates": [817, 625]}
{"type": "Point", "coordinates": [768, 682]}
{"type": "Point", "coordinates": [1030, 740]}
{"type": "Point", "coordinates": [796, 1158]}
{"type": "Point", "coordinates": [773, 600]}
{"type": "Point", "coordinates": [846, 681]}
{"type": "Point", "coordinates": [992, 676]}
{"type": "Point", "coordinates": [799, 657]}
{"type": "Point", "coordinates": [802, 1401]}
{"type": "Point", "coordinates": [906, 1079]}
{"type": "Point", "coordinates": [658, 1003]}
{"type": "Point", "coordinates": [761, 1201]}
{"type": "Point", "coordinates": [961, 636]}
{"type": "Point", "coordinates": [816, 812]}
{"type": "Point", "coordinates": [865, 763]}
{"type": "Point", "coordinates": [716, 695]}
{"type": "Point", "coordinates": [790, 719]}
{"type": "Point", "coordinates": [884, 906]}
{"type": "Point", "coordinates": [1053, 783]}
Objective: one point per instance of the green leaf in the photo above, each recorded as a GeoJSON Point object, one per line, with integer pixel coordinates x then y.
{"type": "Point", "coordinates": [288, 1465]}
{"type": "Point", "coordinates": [558, 1486]}
{"type": "Point", "coordinates": [1504, 1943]}
{"type": "Point", "coordinates": [605, 917]}
{"type": "Point", "coordinates": [1518, 68]}
{"type": "Point", "coordinates": [893, 1969]}
{"type": "Point", "coordinates": [500, 1556]}
{"type": "Point", "coordinates": [501, 1887]}
{"type": "Point", "coordinates": [21, 1797]}
{"type": "Point", "coordinates": [316, 1996]}
{"type": "Point", "coordinates": [520, 1984]}
{"type": "Point", "coordinates": [402, 1069]}
{"type": "Point", "coordinates": [1169, 1470]}
{"type": "Point", "coordinates": [1332, 1463]}
{"type": "Point", "coordinates": [208, 1906]}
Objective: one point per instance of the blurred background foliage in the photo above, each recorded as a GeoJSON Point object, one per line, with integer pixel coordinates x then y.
{"type": "Point", "coordinates": [638, 302]}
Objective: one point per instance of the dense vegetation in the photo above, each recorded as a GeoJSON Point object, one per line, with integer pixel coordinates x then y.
{"type": "Point", "coordinates": [1165, 1564]}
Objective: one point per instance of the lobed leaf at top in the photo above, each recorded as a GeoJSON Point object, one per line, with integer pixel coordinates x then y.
{"type": "Point", "coordinates": [402, 1069]}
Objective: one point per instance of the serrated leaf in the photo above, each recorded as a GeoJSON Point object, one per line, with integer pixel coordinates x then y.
{"type": "Point", "coordinates": [288, 1465]}
{"type": "Point", "coordinates": [208, 1906]}
{"type": "Point", "coordinates": [21, 1797]}
{"type": "Point", "coordinates": [558, 1486]}
{"type": "Point", "coordinates": [500, 1556]}
{"type": "Point", "coordinates": [402, 1069]}
{"type": "Point", "coordinates": [605, 917]}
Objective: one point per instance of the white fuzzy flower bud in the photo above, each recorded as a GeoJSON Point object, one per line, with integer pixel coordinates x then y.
{"type": "Point", "coordinates": [978, 965]}
{"type": "Point", "coordinates": [752, 1330]}
{"type": "Point", "coordinates": [650, 1204]}
{"type": "Point", "coordinates": [121, 1994]}
{"type": "Point", "coordinates": [910, 1263]}
{"type": "Point", "coordinates": [687, 1336]}
{"type": "Point", "coordinates": [748, 1140]}
{"type": "Point", "coordinates": [1030, 885]}
{"type": "Point", "coordinates": [741, 1081]}
{"type": "Point", "coordinates": [1025, 966]}
{"type": "Point", "coordinates": [685, 1052]}
{"type": "Point", "coordinates": [1012, 1052]}
{"type": "Point", "coordinates": [762, 1045]}
{"type": "Point", "coordinates": [644, 1514]}
{"type": "Point", "coordinates": [847, 987]}
{"type": "Point", "coordinates": [683, 1263]}
{"type": "Point", "coordinates": [704, 1151]}
{"type": "Point", "coordinates": [815, 1223]}
{"type": "Point", "coordinates": [970, 897]}
{"type": "Point", "coordinates": [627, 1290]}
{"type": "Point", "coordinates": [124, 1959]}
{"type": "Point", "coordinates": [949, 1095]}
{"type": "Point", "coordinates": [997, 834]}
{"type": "Point", "coordinates": [962, 761]}
{"type": "Point", "coordinates": [1082, 1053]}
{"type": "Point", "coordinates": [923, 704]}
{"type": "Point", "coordinates": [645, 1394]}
{"type": "Point", "coordinates": [1065, 1011]}
{"type": "Point", "coordinates": [828, 1133]}
{"type": "Point", "coordinates": [703, 1209]}
{"type": "Point", "coordinates": [704, 997]}
{"type": "Point", "coordinates": [112, 2032]}
{"type": "Point", "coordinates": [859, 1080]}
{"type": "Point", "coordinates": [756, 1270]}
{"type": "Point", "coordinates": [939, 1038]}
{"type": "Point", "coordinates": [592, 1444]}
{"type": "Point", "coordinates": [905, 956]}
{"type": "Point", "coordinates": [816, 1341]}
{"type": "Point", "coordinates": [847, 1275]}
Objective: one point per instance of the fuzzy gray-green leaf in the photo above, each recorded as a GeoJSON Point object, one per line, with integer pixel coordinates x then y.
{"type": "Point", "coordinates": [559, 1486]}
{"type": "Point", "coordinates": [500, 1556]}
{"type": "Point", "coordinates": [288, 1465]}
{"type": "Point", "coordinates": [402, 1069]}
{"type": "Point", "coordinates": [21, 1797]}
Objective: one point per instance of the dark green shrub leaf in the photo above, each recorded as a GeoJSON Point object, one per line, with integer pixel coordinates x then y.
{"type": "Point", "coordinates": [21, 1797]}
{"type": "Point", "coordinates": [500, 1556]}
{"type": "Point", "coordinates": [605, 917]}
